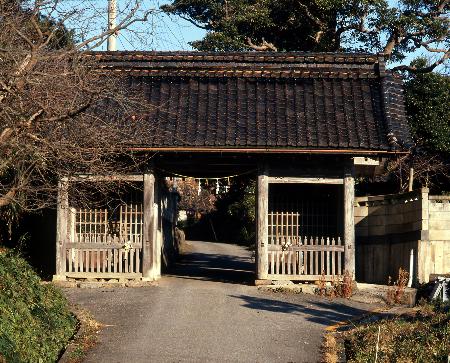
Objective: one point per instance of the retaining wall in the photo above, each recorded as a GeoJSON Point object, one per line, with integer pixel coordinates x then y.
{"type": "Point", "coordinates": [389, 227]}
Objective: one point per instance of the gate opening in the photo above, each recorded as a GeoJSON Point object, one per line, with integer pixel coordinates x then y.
{"type": "Point", "coordinates": [217, 216]}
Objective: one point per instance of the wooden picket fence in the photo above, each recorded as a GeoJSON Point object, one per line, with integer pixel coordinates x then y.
{"type": "Point", "coordinates": [293, 257]}
{"type": "Point", "coordinates": [104, 243]}
{"type": "Point", "coordinates": [305, 259]}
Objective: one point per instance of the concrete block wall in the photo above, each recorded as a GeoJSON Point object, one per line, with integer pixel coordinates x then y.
{"type": "Point", "coordinates": [434, 253]}
{"type": "Point", "coordinates": [389, 227]}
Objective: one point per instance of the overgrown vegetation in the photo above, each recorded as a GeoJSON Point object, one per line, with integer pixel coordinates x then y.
{"type": "Point", "coordinates": [421, 337]}
{"type": "Point", "coordinates": [35, 322]}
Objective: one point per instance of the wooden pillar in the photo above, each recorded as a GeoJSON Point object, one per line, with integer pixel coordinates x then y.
{"type": "Point", "coordinates": [148, 258]}
{"type": "Point", "coordinates": [158, 238]}
{"type": "Point", "coordinates": [62, 228]}
{"type": "Point", "coordinates": [349, 224]}
{"type": "Point", "coordinates": [262, 221]}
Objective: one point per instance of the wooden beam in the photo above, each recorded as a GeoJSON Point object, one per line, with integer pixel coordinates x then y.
{"type": "Point", "coordinates": [262, 219]}
{"type": "Point", "coordinates": [287, 277]}
{"type": "Point", "coordinates": [298, 180]}
{"type": "Point", "coordinates": [104, 275]}
{"type": "Point", "coordinates": [349, 225]}
{"type": "Point", "coordinates": [305, 248]}
{"type": "Point", "coordinates": [366, 161]}
{"type": "Point", "coordinates": [148, 232]}
{"type": "Point", "coordinates": [62, 228]}
{"type": "Point", "coordinates": [275, 150]}
{"type": "Point", "coordinates": [100, 246]}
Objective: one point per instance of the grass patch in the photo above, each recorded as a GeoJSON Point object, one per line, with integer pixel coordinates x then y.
{"type": "Point", "coordinates": [35, 321]}
{"type": "Point", "coordinates": [423, 336]}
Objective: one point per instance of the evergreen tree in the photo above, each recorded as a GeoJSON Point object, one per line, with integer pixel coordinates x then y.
{"type": "Point", "coordinates": [376, 26]}
{"type": "Point", "coordinates": [234, 25]}
{"type": "Point", "coordinates": [427, 102]}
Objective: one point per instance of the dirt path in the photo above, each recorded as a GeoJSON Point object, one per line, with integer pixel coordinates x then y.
{"type": "Point", "coordinates": [206, 311]}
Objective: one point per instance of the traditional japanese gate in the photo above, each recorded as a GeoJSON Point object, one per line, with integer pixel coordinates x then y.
{"type": "Point", "coordinates": [301, 118]}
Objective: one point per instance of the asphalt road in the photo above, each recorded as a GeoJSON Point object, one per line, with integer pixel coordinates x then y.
{"type": "Point", "coordinates": [207, 311]}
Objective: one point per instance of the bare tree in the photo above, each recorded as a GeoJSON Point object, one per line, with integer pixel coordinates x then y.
{"type": "Point", "coordinates": [421, 169]}
{"type": "Point", "coordinates": [59, 114]}
{"type": "Point", "coordinates": [195, 198]}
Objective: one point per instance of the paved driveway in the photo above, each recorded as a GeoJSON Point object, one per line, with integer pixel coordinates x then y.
{"type": "Point", "coordinates": [207, 311]}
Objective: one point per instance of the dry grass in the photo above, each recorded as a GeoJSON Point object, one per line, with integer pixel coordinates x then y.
{"type": "Point", "coordinates": [322, 285]}
{"type": "Point", "coordinates": [85, 339]}
{"type": "Point", "coordinates": [330, 349]}
{"type": "Point", "coordinates": [341, 286]}
{"type": "Point", "coordinates": [396, 291]}
{"type": "Point", "coordinates": [423, 336]}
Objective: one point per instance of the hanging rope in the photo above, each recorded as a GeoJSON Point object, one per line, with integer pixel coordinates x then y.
{"type": "Point", "coordinates": [207, 178]}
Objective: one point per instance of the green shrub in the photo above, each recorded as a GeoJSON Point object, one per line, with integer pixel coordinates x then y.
{"type": "Point", "coordinates": [35, 322]}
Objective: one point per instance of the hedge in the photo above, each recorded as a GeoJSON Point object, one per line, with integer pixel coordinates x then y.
{"type": "Point", "coordinates": [35, 321]}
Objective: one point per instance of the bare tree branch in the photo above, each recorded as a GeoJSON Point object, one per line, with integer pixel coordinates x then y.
{"type": "Point", "coordinates": [265, 46]}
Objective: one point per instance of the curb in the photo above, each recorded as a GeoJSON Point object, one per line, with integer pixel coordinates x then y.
{"type": "Point", "coordinates": [340, 324]}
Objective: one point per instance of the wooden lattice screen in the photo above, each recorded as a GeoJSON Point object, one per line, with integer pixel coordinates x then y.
{"type": "Point", "coordinates": [304, 239]}
{"type": "Point", "coordinates": [105, 242]}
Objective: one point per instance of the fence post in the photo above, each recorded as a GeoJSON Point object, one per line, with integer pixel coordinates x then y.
{"type": "Point", "coordinates": [262, 223]}
{"type": "Point", "coordinates": [62, 230]}
{"type": "Point", "coordinates": [349, 224]}
{"type": "Point", "coordinates": [423, 253]}
{"type": "Point", "coordinates": [148, 233]}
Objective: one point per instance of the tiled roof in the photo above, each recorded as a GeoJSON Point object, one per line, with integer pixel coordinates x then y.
{"type": "Point", "coordinates": [266, 100]}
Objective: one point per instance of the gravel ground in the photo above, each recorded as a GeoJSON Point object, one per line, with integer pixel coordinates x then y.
{"type": "Point", "coordinates": [206, 310]}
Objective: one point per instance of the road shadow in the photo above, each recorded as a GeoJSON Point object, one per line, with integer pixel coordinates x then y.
{"type": "Point", "coordinates": [214, 267]}
{"type": "Point", "coordinates": [321, 312]}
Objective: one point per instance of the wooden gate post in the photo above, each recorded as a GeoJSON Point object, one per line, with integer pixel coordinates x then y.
{"type": "Point", "coordinates": [349, 224]}
{"type": "Point", "coordinates": [62, 228]}
{"type": "Point", "coordinates": [148, 233]}
{"type": "Point", "coordinates": [262, 202]}
{"type": "Point", "coordinates": [158, 237]}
